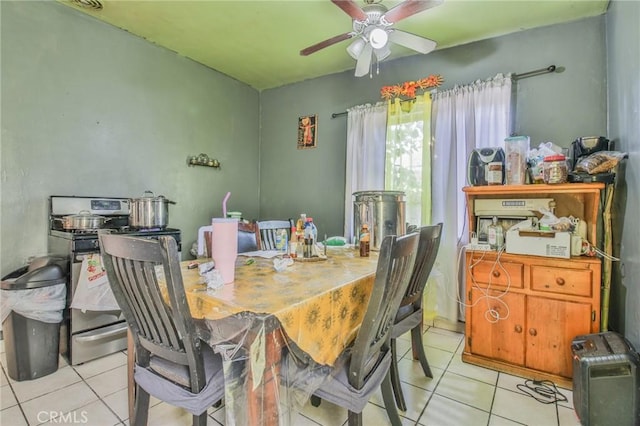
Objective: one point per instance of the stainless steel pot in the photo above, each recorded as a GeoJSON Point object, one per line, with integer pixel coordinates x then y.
{"type": "Point", "coordinates": [84, 220]}
{"type": "Point", "coordinates": [149, 211]}
{"type": "Point", "coordinates": [383, 211]}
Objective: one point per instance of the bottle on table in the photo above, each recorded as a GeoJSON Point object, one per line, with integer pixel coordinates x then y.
{"type": "Point", "coordinates": [300, 227]}
{"type": "Point", "coordinates": [282, 240]}
{"type": "Point", "coordinates": [293, 243]}
{"type": "Point", "coordinates": [364, 240]}
{"type": "Point", "coordinates": [308, 239]}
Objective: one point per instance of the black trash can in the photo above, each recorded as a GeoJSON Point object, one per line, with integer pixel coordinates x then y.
{"type": "Point", "coordinates": [36, 297]}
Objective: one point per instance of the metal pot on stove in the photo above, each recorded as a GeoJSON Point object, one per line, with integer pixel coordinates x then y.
{"type": "Point", "coordinates": [149, 211]}
{"type": "Point", "coordinates": [84, 221]}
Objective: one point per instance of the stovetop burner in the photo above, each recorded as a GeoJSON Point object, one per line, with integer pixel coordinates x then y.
{"type": "Point", "coordinates": [115, 210]}
{"type": "Point", "coordinates": [93, 233]}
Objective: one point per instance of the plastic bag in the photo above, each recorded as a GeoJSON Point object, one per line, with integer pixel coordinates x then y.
{"type": "Point", "coordinates": [336, 241]}
{"type": "Point", "coordinates": [599, 162]}
{"type": "Point", "coordinates": [535, 160]}
{"type": "Point", "coordinates": [43, 304]}
{"type": "Point", "coordinates": [280, 264]}
{"type": "Point", "coordinates": [93, 292]}
{"type": "Point", "coordinates": [549, 222]}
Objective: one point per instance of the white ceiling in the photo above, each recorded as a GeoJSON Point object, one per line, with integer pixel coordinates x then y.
{"type": "Point", "coordinates": [258, 42]}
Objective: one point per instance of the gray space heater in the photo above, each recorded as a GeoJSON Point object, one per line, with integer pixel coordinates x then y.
{"type": "Point", "coordinates": [606, 382]}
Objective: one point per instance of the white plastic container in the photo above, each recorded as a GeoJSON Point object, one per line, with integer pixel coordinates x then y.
{"type": "Point", "coordinates": [516, 149]}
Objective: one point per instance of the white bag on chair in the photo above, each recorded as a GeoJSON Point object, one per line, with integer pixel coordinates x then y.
{"type": "Point", "coordinates": [93, 292]}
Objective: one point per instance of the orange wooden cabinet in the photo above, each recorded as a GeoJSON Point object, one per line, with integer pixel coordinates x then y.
{"type": "Point", "coordinates": [522, 312]}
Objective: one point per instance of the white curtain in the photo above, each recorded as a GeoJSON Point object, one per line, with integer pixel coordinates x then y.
{"type": "Point", "coordinates": [463, 118]}
{"type": "Point", "coordinates": [366, 133]}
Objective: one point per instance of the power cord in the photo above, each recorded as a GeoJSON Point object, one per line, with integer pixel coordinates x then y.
{"type": "Point", "coordinates": [543, 391]}
{"type": "Point", "coordinates": [602, 253]}
{"type": "Point", "coordinates": [493, 314]}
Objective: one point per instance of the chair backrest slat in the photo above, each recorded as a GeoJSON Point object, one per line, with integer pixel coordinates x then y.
{"type": "Point", "coordinates": [395, 263]}
{"type": "Point", "coordinates": [268, 230]}
{"type": "Point", "coordinates": [425, 259]}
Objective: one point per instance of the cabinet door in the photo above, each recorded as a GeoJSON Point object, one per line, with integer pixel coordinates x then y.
{"type": "Point", "coordinates": [497, 325]}
{"type": "Point", "coordinates": [551, 327]}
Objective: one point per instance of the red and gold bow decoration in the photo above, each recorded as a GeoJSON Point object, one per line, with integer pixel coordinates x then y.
{"type": "Point", "coordinates": [408, 88]}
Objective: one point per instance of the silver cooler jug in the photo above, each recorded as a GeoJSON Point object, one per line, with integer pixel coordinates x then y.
{"type": "Point", "coordinates": [383, 211]}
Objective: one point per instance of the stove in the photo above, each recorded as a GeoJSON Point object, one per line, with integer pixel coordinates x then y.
{"type": "Point", "coordinates": [87, 335]}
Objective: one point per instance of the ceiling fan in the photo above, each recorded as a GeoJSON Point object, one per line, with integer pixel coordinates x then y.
{"type": "Point", "coordinates": [373, 31]}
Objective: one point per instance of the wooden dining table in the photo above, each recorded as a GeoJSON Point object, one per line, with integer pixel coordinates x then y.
{"type": "Point", "coordinates": [300, 319]}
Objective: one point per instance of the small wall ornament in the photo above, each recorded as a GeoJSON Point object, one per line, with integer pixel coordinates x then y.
{"type": "Point", "coordinates": [307, 131]}
{"type": "Point", "coordinates": [202, 160]}
{"type": "Point", "coordinates": [407, 90]}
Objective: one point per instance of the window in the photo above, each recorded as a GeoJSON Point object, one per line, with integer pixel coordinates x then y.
{"type": "Point", "coordinates": [408, 156]}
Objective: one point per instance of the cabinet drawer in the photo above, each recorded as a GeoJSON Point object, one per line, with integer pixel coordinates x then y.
{"type": "Point", "coordinates": [575, 282]}
{"type": "Point", "coordinates": [491, 273]}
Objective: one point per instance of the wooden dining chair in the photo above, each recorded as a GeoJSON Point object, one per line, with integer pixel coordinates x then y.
{"type": "Point", "coordinates": [365, 365]}
{"type": "Point", "coordinates": [410, 313]}
{"type": "Point", "coordinates": [171, 362]}
{"type": "Point", "coordinates": [268, 230]}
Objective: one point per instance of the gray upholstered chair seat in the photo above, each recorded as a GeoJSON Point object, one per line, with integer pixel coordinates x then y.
{"type": "Point", "coordinates": [156, 384]}
{"type": "Point", "coordinates": [339, 391]}
{"type": "Point", "coordinates": [406, 323]}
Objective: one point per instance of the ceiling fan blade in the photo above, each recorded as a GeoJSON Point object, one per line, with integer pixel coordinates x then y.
{"type": "Point", "coordinates": [408, 8]}
{"type": "Point", "coordinates": [364, 61]}
{"type": "Point", "coordinates": [412, 41]}
{"type": "Point", "coordinates": [351, 8]}
{"type": "Point", "coordinates": [326, 43]}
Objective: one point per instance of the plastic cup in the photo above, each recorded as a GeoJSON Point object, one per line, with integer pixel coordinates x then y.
{"type": "Point", "coordinates": [224, 246]}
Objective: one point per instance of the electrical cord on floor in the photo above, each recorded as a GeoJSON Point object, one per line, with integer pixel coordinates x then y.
{"type": "Point", "coordinates": [544, 391]}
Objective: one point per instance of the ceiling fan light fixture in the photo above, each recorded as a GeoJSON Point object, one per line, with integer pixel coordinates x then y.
{"type": "Point", "coordinates": [382, 53]}
{"type": "Point", "coordinates": [356, 47]}
{"type": "Point", "coordinates": [378, 38]}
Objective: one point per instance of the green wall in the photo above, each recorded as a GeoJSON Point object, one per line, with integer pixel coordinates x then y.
{"type": "Point", "coordinates": [555, 107]}
{"type": "Point", "coordinates": [88, 109]}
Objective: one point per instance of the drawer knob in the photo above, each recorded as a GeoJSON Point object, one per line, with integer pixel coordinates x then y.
{"type": "Point", "coordinates": [560, 281]}
{"type": "Point", "coordinates": [496, 274]}
{"type": "Point", "coordinates": [533, 332]}
{"type": "Point", "coordinates": [518, 329]}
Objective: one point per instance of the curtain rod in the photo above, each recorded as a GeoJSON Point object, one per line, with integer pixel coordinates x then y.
{"type": "Point", "coordinates": [338, 114]}
{"type": "Point", "coordinates": [547, 70]}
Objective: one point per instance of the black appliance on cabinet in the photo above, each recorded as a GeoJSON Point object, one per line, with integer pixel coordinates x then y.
{"type": "Point", "coordinates": [478, 165]}
{"type": "Point", "coordinates": [583, 147]}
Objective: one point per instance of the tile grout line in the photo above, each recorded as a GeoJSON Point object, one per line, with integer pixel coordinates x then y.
{"type": "Point", "coordinates": [24, 416]}
{"type": "Point", "coordinates": [121, 421]}
{"type": "Point", "coordinates": [493, 399]}
{"type": "Point", "coordinates": [438, 382]}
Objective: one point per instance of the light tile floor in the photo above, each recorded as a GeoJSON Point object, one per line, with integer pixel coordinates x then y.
{"type": "Point", "coordinates": [459, 394]}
